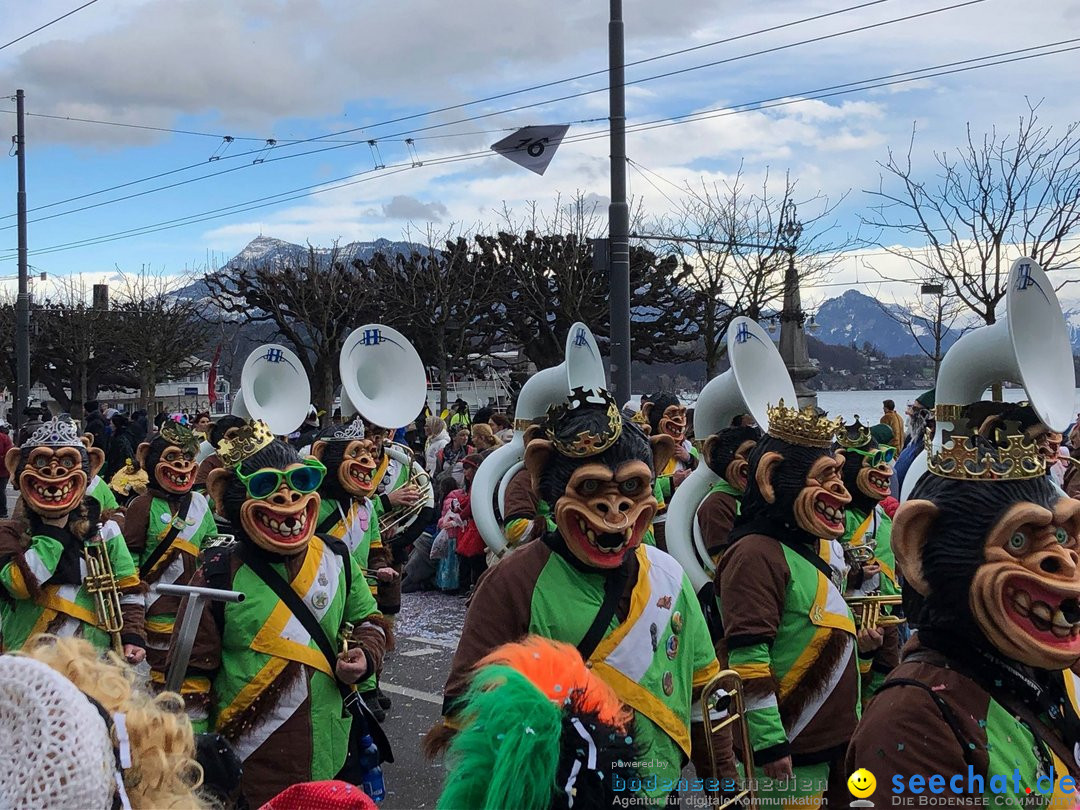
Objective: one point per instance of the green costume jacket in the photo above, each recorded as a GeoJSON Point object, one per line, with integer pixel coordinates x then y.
{"type": "Point", "coordinates": [41, 585]}
{"type": "Point", "coordinates": [149, 518]}
{"type": "Point", "coordinates": [100, 492]}
{"type": "Point", "coordinates": [791, 637]}
{"type": "Point", "coordinates": [976, 729]}
{"type": "Point", "coordinates": [656, 655]}
{"type": "Point", "coordinates": [257, 677]}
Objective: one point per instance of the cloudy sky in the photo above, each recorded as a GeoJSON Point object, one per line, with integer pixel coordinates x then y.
{"type": "Point", "coordinates": [322, 77]}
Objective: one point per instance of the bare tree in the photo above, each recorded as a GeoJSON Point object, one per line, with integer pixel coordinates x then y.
{"type": "Point", "coordinates": [547, 258]}
{"type": "Point", "coordinates": [161, 332]}
{"type": "Point", "coordinates": [733, 239]}
{"type": "Point", "coordinates": [998, 196]}
{"type": "Point", "coordinates": [441, 297]}
{"type": "Point", "coordinates": [312, 305]}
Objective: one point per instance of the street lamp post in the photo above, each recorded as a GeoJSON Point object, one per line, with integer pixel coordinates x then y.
{"type": "Point", "coordinates": [792, 318]}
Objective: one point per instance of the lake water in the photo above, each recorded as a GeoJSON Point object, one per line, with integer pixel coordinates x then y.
{"type": "Point", "coordinates": [867, 404]}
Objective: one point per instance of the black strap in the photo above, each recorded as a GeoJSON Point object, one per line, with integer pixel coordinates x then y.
{"type": "Point", "coordinates": [946, 710]}
{"type": "Point", "coordinates": [167, 541]}
{"type": "Point", "coordinates": [330, 521]}
{"type": "Point", "coordinates": [349, 696]}
{"type": "Point", "coordinates": [811, 556]}
{"type": "Point", "coordinates": [613, 588]}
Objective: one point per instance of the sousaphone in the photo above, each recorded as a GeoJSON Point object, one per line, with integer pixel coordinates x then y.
{"type": "Point", "coordinates": [383, 380]}
{"type": "Point", "coordinates": [582, 368]}
{"type": "Point", "coordinates": [274, 388]}
{"type": "Point", "coordinates": [1030, 346]}
{"type": "Point", "coordinates": [757, 379]}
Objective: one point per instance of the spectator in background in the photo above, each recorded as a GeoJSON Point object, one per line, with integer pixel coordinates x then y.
{"type": "Point", "coordinates": [891, 418]}
{"type": "Point", "coordinates": [454, 453]}
{"type": "Point", "coordinates": [437, 439]}
{"type": "Point", "coordinates": [484, 438]}
{"type": "Point", "coordinates": [502, 427]}
{"type": "Point", "coordinates": [202, 424]}
{"type": "Point", "coordinates": [138, 427]}
{"type": "Point", "coordinates": [482, 415]}
{"type": "Point", "coordinates": [95, 423]}
{"type": "Point", "coordinates": [471, 549]}
{"type": "Point", "coordinates": [32, 423]}
{"type": "Point", "coordinates": [5, 445]}
{"type": "Point", "coordinates": [459, 414]}
{"type": "Point", "coordinates": [120, 448]}
{"type": "Point", "coordinates": [161, 417]}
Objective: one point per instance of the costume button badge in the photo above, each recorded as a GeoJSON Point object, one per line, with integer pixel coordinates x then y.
{"type": "Point", "coordinates": [672, 647]}
{"type": "Point", "coordinates": [323, 580]}
{"type": "Point", "coordinates": [676, 622]}
{"type": "Point", "coordinates": [668, 684]}
{"type": "Point", "coordinates": [320, 600]}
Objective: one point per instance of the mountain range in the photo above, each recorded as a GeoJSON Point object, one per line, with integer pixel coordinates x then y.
{"type": "Point", "coordinates": [852, 318]}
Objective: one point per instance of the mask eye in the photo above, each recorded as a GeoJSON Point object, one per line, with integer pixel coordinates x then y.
{"type": "Point", "coordinates": [67, 463]}
{"type": "Point", "coordinates": [631, 486]}
{"type": "Point", "coordinates": [1061, 535]}
{"type": "Point", "coordinates": [41, 462]}
{"type": "Point", "coordinates": [264, 484]}
{"type": "Point", "coordinates": [1017, 541]}
{"type": "Point", "coordinates": [590, 486]}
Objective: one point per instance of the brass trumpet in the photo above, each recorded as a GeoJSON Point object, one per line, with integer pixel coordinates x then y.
{"type": "Point", "coordinates": [100, 583]}
{"type": "Point", "coordinates": [725, 693]}
{"type": "Point", "coordinates": [868, 610]}
{"type": "Point", "coordinates": [861, 554]}
{"type": "Point", "coordinates": [418, 477]}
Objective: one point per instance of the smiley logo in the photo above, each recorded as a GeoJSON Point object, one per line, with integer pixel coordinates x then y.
{"type": "Point", "coordinates": [861, 783]}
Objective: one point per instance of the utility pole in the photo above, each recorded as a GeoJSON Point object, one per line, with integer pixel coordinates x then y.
{"type": "Point", "coordinates": [618, 213]}
{"type": "Point", "coordinates": [22, 304]}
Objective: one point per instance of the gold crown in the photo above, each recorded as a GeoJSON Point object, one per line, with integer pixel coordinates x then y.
{"type": "Point", "coordinates": [249, 440]}
{"type": "Point", "coordinates": [854, 436]}
{"type": "Point", "coordinates": [803, 427]}
{"type": "Point", "coordinates": [1010, 457]}
{"type": "Point", "coordinates": [586, 443]}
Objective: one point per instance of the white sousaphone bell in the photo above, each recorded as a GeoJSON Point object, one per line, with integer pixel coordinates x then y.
{"type": "Point", "coordinates": [582, 368]}
{"type": "Point", "coordinates": [756, 380]}
{"type": "Point", "coordinates": [1030, 346]}
{"type": "Point", "coordinates": [383, 380]}
{"type": "Point", "coordinates": [274, 388]}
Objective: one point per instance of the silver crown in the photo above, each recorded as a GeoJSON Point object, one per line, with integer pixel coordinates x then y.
{"type": "Point", "coordinates": [354, 431]}
{"type": "Point", "coordinates": [57, 432]}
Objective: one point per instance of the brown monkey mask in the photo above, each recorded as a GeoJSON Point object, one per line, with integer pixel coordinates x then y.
{"type": "Point", "coordinates": [818, 506]}
{"type": "Point", "coordinates": [596, 470]}
{"type": "Point", "coordinates": [351, 455]}
{"type": "Point", "coordinates": [170, 458]}
{"type": "Point", "coordinates": [52, 468]}
{"type": "Point", "coordinates": [666, 417]}
{"type": "Point", "coordinates": [727, 454]}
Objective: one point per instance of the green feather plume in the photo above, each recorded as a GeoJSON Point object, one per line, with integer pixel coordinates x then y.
{"type": "Point", "coordinates": [507, 753]}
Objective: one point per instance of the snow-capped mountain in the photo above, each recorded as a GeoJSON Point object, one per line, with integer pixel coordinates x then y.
{"type": "Point", "coordinates": [265, 250]}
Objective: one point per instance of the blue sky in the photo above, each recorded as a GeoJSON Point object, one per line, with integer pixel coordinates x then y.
{"type": "Point", "coordinates": [300, 69]}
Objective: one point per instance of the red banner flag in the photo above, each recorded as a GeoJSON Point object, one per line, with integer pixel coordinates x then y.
{"type": "Point", "coordinates": [211, 381]}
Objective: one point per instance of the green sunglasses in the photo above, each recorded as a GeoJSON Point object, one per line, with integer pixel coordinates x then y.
{"type": "Point", "coordinates": [883, 455]}
{"type": "Point", "coordinates": [264, 483]}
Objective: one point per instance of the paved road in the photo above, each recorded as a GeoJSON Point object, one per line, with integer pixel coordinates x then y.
{"type": "Point", "coordinates": [427, 631]}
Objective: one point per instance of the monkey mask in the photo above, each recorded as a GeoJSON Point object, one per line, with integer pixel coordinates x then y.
{"type": "Point", "coordinates": [169, 459]}
{"type": "Point", "coordinates": [666, 416]}
{"type": "Point", "coordinates": [727, 454]}
{"type": "Point", "coordinates": [993, 549]}
{"type": "Point", "coordinates": [867, 465]}
{"type": "Point", "coordinates": [794, 484]}
{"type": "Point", "coordinates": [350, 455]}
{"type": "Point", "coordinates": [52, 468]}
{"type": "Point", "coordinates": [596, 469]}
{"type": "Point", "coordinates": [266, 491]}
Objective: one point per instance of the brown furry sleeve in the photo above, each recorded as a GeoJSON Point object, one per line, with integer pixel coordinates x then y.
{"type": "Point", "coordinates": [138, 516]}
{"type": "Point", "coordinates": [375, 637]}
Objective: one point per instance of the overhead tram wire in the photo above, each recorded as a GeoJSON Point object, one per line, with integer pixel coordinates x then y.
{"type": "Point", "coordinates": [518, 108]}
{"type": "Point", "coordinates": [486, 99]}
{"type": "Point", "coordinates": [372, 174]}
{"type": "Point", "coordinates": [46, 25]}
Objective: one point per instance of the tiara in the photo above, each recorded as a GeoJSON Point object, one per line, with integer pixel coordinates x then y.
{"type": "Point", "coordinates": [354, 431]}
{"type": "Point", "coordinates": [57, 432]}
{"type": "Point", "coordinates": [586, 443]}
{"type": "Point", "coordinates": [1007, 456]}
{"type": "Point", "coordinates": [179, 435]}
{"type": "Point", "coordinates": [249, 440]}
{"type": "Point", "coordinates": [854, 436]}
{"type": "Point", "coordinates": [803, 427]}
